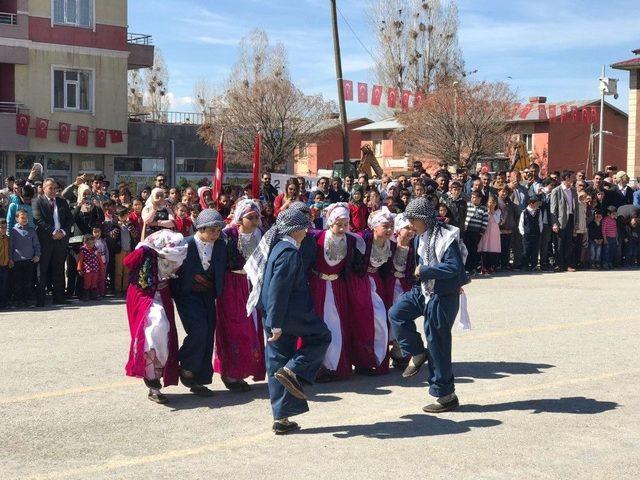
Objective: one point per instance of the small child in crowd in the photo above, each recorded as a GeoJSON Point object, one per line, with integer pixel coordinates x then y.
{"type": "Point", "coordinates": [5, 259]}
{"type": "Point", "coordinates": [594, 230]}
{"type": "Point", "coordinates": [127, 244]}
{"type": "Point", "coordinates": [530, 227]}
{"type": "Point", "coordinates": [103, 254]}
{"type": "Point", "coordinates": [474, 226]}
{"type": "Point", "coordinates": [90, 267]}
{"type": "Point", "coordinates": [610, 234]}
{"type": "Point", "coordinates": [25, 254]}
{"type": "Point", "coordinates": [630, 248]}
{"type": "Point", "coordinates": [182, 221]}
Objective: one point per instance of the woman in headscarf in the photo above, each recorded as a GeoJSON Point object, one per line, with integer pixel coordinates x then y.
{"type": "Point", "coordinates": [155, 214]}
{"type": "Point", "coordinates": [335, 250]}
{"type": "Point", "coordinates": [369, 300]}
{"type": "Point", "coordinates": [358, 211]}
{"type": "Point", "coordinates": [239, 350]}
{"type": "Point", "coordinates": [153, 354]}
{"type": "Point", "coordinates": [278, 280]}
{"type": "Point", "coordinates": [204, 197]}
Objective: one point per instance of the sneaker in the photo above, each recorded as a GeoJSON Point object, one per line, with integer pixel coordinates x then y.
{"type": "Point", "coordinates": [415, 364]}
{"type": "Point", "coordinates": [157, 397]}
{"type": "Point", "coordinates": [443, 404]}
{"type": "Point", "coordinates": [290, 382]}
{"type": "Point", "coordinates": [284, 426]}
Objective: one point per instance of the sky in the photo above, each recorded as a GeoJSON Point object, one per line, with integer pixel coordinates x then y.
{"type": "Point", "coordinates": [541, 48]}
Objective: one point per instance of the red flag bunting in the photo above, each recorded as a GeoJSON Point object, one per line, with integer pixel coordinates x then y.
{"type": "Point", "coordinates": [347, 86]}
{"type": "Point", "coordinates": [542, 112]}
{"type": "Point", "coordinates": [101, 137]}
{"type": "Point", "coordinates": [255, 179]}
{"type": "Point", "coordinates": [217, 178]}
{"type": "Point", "coordinates": [82, 138]}
{"type": "Point", "coordinates": [22, 124]}
{"type": "Point", "coordinates": [363, 93]}
{"type": "Point", "coordinates": [514, 110]}
{"type": "Point", "coordinates": [116, 136]}
{"type": "Point", "coordinates": [42, 127]}
{"type": "Point", "coordinates": [417, 99]}
{"type": "Point", "coordinates": [563, 113]}
{"type": "Point", "coordinates": [552, 113]}
{"type": "Point", "coordinates": [392, 95]}
{"type": "Point", "coordinates": [574, 113]}
{"type": "Point", "coordinates": [64, 131]}
{"type": "Point", "coordinates": [525, 111]}
{"type": "Point", "coordinates": [406, 96]}
{"type": "Point", "coordinates": [376, 95]}
{"type": "Point", "coordinates": [584, 113]}
{"type": "Point", "coordinates": [594, 115]}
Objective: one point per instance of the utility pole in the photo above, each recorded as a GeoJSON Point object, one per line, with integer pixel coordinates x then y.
{"type": "Point", "coordinates": [600, 137]}
{"type": "Point", "coordinates": [346, 166]}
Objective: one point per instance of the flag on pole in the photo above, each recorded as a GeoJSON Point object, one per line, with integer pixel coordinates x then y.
{"type": "Point", "coordinates": [22, 124]}
{"type": "Point", "coordinates": [217, 179]}
{"type": "Point", "coordinates": [255, 179]}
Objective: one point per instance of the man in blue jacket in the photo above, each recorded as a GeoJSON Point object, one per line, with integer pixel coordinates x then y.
{"type": "Point", "coordinates": [195, 290]}
{"type": "Point", "coordinates": [280, 286]}
{"type": "Point", "coordinates": [440, 274]}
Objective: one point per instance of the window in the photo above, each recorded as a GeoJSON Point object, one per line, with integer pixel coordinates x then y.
{"type": "Point", "coordinates": [194, 164]}
{"type": "Point", "coordinates": [136, 164]}
{"type": "Point", "coordinates": [91, 163]}
{"type": "Point", "coordinates": [377, 148]}
{"type": "Point", "coordinates": [304, 150]}
{"type": "Point", "coordinates": [72, 89]}
{"type": "Point", "coordinates": [527, 139]}
{"type": "Point", "coordinates": [78, 13]}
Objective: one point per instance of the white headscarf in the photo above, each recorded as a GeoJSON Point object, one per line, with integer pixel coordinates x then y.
{"type": "Point", "coordinates": [335, 212]}
{"type": "Point", "coordinates": [379, 217]}
{"type": "Point", "coordinates": [401, 221]}
{"type": "Point", "coordinates": [152, 196]}
{"type": "Point", "coordinates": [171, 250]}
{"type": "Point", "coordinates": [245, 207]}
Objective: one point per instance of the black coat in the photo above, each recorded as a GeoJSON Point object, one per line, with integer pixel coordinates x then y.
{"type": "Point", "coordinates": [43, 218]}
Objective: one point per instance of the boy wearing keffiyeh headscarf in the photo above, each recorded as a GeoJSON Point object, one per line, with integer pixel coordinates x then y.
{"type": "Point", "coordinates": [440, 275]}
{"type": "Point", "coordinates": [278, 281]}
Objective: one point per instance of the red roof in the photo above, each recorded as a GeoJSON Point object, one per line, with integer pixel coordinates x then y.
{"type": "Point", "coordinates": [631, 64]}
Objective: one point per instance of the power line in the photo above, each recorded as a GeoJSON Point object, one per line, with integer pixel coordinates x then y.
{"type": "Point", "coordinates": [356, 35]}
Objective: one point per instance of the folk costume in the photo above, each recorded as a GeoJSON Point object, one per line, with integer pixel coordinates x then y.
{"type": "Point", "coordinates": [278, 282]}
{"type": "Point", "coordinates": [153, 353]}
{"type": "Point", "coordinates": [199, 283]}
{"type": "Point", "coordinates": [334, 259]}
{"type": "Point", "coordinates": [239, 348]}
{"type": "Point", "coordinates": [402, 264]}
{"type": "Point", "coordinates": [440, 255]}
{"type": "Point", "coordinates": [308, 246]}
{"type": "Point", "coordinates": [369, 301]}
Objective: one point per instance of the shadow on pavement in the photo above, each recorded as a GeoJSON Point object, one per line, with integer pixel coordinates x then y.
{"type": "Point", "coordinates": [220, 399]}
{"type": "Point", "coordinates": [495, 370]}
{"type": "Point", "coordinates": [574, 405]}
{"type": "Point", "coordinates": [410, 426]}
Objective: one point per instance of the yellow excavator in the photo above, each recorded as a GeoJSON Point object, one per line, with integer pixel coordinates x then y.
{"type": "Point", "coordinates": [520, 159]}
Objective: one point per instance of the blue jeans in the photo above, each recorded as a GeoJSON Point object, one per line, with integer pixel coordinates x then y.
{"type": "Point", "coordinates": [609, 251]}
{"type": "Point", "coordinates": [595, 252]}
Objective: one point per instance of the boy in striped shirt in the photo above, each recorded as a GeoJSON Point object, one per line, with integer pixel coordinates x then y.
{"type": "Point", "coordinates": [474, 226]}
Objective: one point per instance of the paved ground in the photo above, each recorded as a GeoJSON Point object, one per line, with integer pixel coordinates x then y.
{"type": "Point", "coordinates": [549, 378]}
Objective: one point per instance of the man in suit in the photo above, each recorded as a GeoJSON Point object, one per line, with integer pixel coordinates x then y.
{"type": "Point", "coordinates": [53, 220]}
{"type": "Point", "coordinates": [195, 290]}
{"type": "Point", "coordinates": [564, 207]}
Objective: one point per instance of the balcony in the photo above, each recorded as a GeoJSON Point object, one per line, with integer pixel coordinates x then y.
{"type": "Point", "coordinates": [9, 139]}
{"type": "Point", "coordinates": [177, 118]}
{"type": "Point", "coordinates": [141, 51]}
{"type": "Point", "coordinates": [13, 24]}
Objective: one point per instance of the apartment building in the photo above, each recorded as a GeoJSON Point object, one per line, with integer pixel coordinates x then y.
{"type": "Point", "coordinates": [63, 71]}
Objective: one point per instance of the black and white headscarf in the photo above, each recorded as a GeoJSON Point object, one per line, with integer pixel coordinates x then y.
{"type": "Point", "coordinates": [288, 221]}
{"type": "Point", "coordinates": [301, 206]}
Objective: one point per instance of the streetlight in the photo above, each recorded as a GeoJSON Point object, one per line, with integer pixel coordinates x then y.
{"type": "Point", "coordinates": [608, 86]}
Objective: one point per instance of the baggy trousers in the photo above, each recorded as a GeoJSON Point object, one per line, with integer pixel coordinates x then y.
{"type": "Point", "coordinates": [304, 362]}
{"type": "Point", "coordinates": [439, 316]}
{"type": "Point", "coordinates": [198, 314]}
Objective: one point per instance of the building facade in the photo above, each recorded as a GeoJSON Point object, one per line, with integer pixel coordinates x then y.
{"type": "Point", "coordinates": [66, 62]}
{"type": "Point", "coordinates": [633, 142]}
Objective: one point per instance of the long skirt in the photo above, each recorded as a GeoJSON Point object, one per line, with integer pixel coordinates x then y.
{"type": "Point", "coordinates": [331, 301]}
{"type": "Point", "coordinates": [368, 325]}
{"type": "Point", "coordinates": [239, 350]}
{"type": "Point", "coordinates": [152, 327]}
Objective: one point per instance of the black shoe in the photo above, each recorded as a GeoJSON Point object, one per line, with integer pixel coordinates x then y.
{"type": "Point", "coordinates": [443, 404]}
{"type": "Point", "coordinates": [201, 390]}
{"type": "Point", "coordinates": [185, 380]}
{"type": "Point", "coordinates": [282, 427]}
{"type": "Point", "coordinates": [61, 301]}
{"type": "Point", "coordinates": [290, 383]}
{"type": "Point", "coordinates": [157, 397]}
{"type": "Point", "coordinates": [238, 386]}
{"type": "Point", "coordinates": [155, 383]}
{"type": "Point", "coordinates": [413, 369]}
{"type": "Point", "coordinates": [365, 372]}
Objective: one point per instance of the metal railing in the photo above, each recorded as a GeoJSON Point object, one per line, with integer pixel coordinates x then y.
{"type": "Point", "coordinates": [138, 39]}
{"type": "Point", "coordinates": [8, 18]}
{"type": "Point", "coordinates": [12, 107]}
{"type": "Point", "coordinates": [184, 118]}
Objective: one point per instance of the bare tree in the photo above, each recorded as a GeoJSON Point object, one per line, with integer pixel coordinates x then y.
{"type": "Point", "coordinates": [156, 83]}
{"type": "Point", "coordinates": [417, 43]}
{"type": "Point", "coordinates": [460, 123]}
{"type": "Point", "coordinates": [135, 92]}
{"type": "Point", "coordinates": [259, 95]}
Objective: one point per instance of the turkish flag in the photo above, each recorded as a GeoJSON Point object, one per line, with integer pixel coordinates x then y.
{"type": "Point", "coordinates": [218, 177]}
{"type": "Point", "coordinates": [514, 110]}
{"type": "Point", "coordinates": [586, 117]}
{"type": "Point", "coordinates": [552, 113]}
{"type": "Point", "coordinates": [406, 96]}
{"type": "Point", "coordinates": [376, 95]}
{"type": "Point", "coordinates": [22, 124]}
{"type": "Point", "coordinates": [542, 112]}
{"type": "Point", "coordinates": [563, 113]}
{"type": "Point", "coordinates": [42, 127]}
{"type": "Point", "coordinates": [101, 138]}
{"type": "Point", "coordinates": [417, 99]}
{"type": "Point", "coordinates": [594, 114]}
{"type": "Point", "coordinates": [347, 86]}
{"type": "Point", "coordinates": [363, 93]}
{"type": "Point", "coordinates": [255, 178]}
{"type": "Point", "coordinates": [82, 138]}
{"type": "Point", "coordinates": [64, 130]}
{"type": "Point", "coordinates": [525, 111]}
{"type": "Point", "coordinates": [392, 96]}
{"type": "Point", "coordinates": [116, 136]}
{"type": "Point", "coordinates": [574, 113]}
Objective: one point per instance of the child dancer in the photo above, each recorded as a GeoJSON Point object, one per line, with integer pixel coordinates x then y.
{"type": "Point", "coordinates": [369, 299]}
{"type": "Point", "coordinates": [334, 258]}
{"type": "Point", "coordinates": [239, 351]}
{"type": "Point", "coordinates": [153, 353]}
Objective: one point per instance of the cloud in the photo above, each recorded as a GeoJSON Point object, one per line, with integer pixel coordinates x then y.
{"type": "Point", "coordinates": [179, 103]}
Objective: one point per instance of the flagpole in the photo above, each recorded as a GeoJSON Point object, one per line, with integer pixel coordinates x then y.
{"type": "Point", "coordinates": [346, 166]}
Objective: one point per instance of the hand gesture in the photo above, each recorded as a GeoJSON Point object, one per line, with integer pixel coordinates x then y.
{"type": "Point", "coordinates": [276, 333]}
{"type": "Point", "coordinates": [35, 259]}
